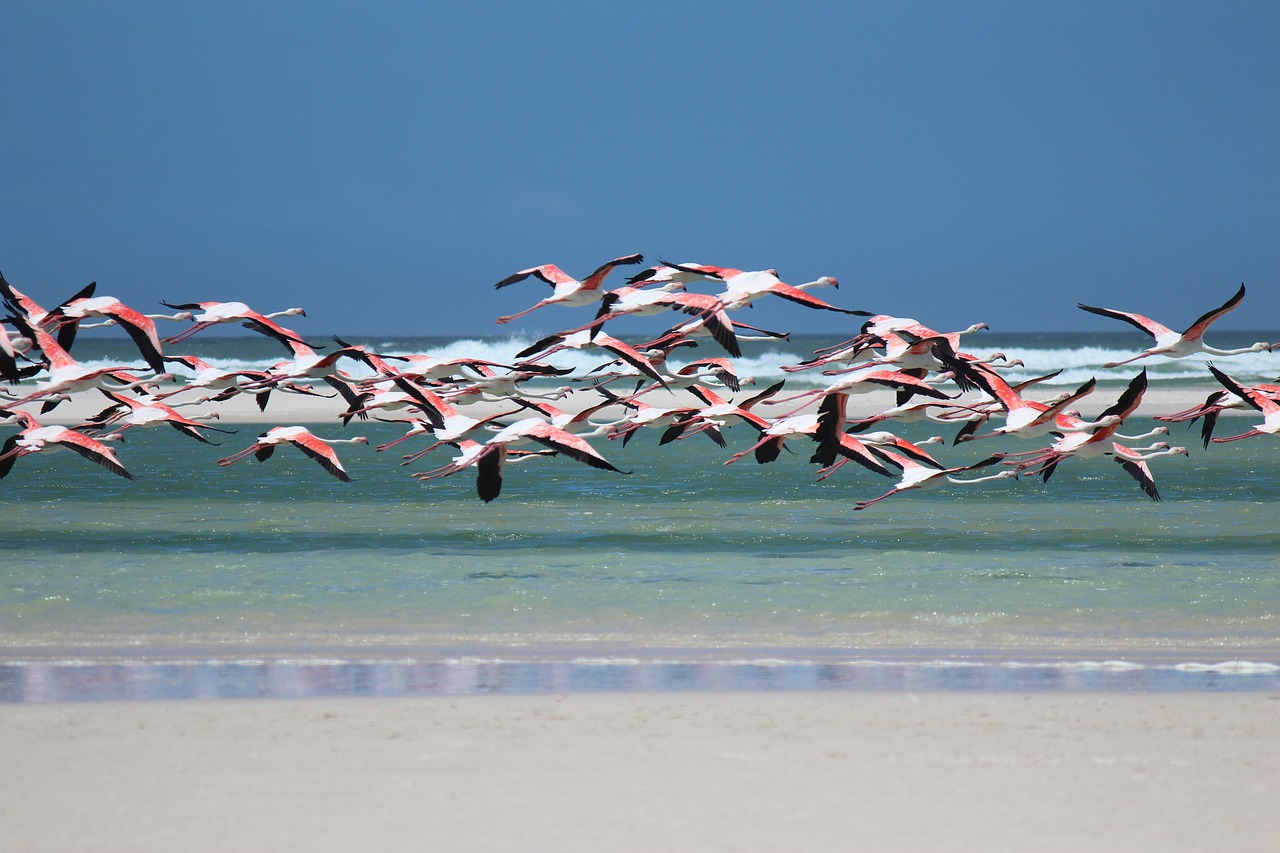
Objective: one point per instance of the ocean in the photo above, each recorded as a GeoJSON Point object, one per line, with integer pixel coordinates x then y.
{"type": "Point", "coordinates": [275, 579]}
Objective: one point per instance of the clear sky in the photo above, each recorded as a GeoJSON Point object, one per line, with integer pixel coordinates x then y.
{"type": "Point", "coordinates": [383, 164]}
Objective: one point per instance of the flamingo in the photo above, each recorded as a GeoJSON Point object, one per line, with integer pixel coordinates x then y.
{"type": "Point", "coordinates": [704, 369]}
{"type": "Point", "coordinates": [1029, 418]}
{"type": "Point", "coordinates": [227, 383]}
{"type": "Point", "coordinates": [823, 426]}
{"type": "Point", "coordinates": [132, 412]}
{"type": "Point", "coordinates": [720, 329]}
{"type": "Point", "coordinates": [446, 423]}
{"type": "Point", "coordinates": [300, 437]}
{"type": "Point", "coordinates": [213, 313]}
{"type": "Point", "coordinates": [1084, 443]}
{"type": "Point", "coordinates": [918, 476]}
{"type": "Point", "coordinates": [140, 327]}
{"type": "Point", "coordinates": [1102, 442]}
{"type": "Point", "coordinates": [744, 288]}
{"type": "Point", "coordinates": [714, 415]}
{"type": "Point", "coordinates": [905, 352]}
{"type": "Point", "coordinates": [305, 364]}
{"type": "Point", "coordinates": [1171, 344]}
{"type": "Point", "coordinates": [33, 314]}
{"type": "Point", "coordinates": [490, 457]}
{"type": "Point", "coordinates": [1134, 461]}
{"type": "Point", "coordinates": [67, 376]}
{"type": "Point", "coordinates": [1216, 403]}
{"type": "Point", "coordinates": [566, 290]}
{"type": "Point", "coordinates": [586, 340]}
{"type": "Point", "coordinates": [35, 438]}
{"type": "Point", "coordinates": [422, 367]}
{"type": "Point", "coordinates": [866, 381]}
{"type": "Point", "coordinates": [666, 417]}
{"type": "Point", "coordinates": [1254, 398]}
{"type": "Point", "coordinates": [497, 387]}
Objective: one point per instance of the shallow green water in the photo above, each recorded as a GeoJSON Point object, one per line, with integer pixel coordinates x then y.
{"type": "Point", "coordinates": [684, 553]}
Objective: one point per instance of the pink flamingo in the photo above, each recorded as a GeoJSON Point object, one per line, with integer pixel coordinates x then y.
{"type": "Point", "coordinates": [490, 458]}
{"type": "Point", "coordinates": [918, 476]}
{"type": "Point", "coordinates": [35, 438]}
{"type": "Point", "coordinates": [1172, 344]}
{"type": "Point", "coordinates": [214, 313]}
{"type": "Point", "coordinates": [1255, 398]}
{"type": "Point", "coordinates": [300, 437]}
{"type": "Point", "coordinates": [566, 290]}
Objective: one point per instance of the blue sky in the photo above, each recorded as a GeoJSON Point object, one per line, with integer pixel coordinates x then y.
{"type": "Point", "coordinates": [382, 164]}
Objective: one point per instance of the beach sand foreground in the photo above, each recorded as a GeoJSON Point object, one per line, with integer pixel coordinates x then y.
{"type": "Point", "coordinates": [647, 772]}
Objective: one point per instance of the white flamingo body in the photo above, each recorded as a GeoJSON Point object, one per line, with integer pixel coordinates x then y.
{"type": "Point", "coordinates": [746, 287]}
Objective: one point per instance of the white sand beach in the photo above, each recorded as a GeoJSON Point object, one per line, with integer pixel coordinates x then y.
{"type": "Point", "coordinates": [705, 771]}
{"type": "Point", "coordinates": [297, 408]}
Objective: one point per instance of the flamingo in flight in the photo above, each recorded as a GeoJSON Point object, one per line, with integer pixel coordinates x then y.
{"type": "Point", "coordinates": [566, 290]}
{"type": "Point", "coordinates": [67, 376]}
{"type": "Point", "coordinates": [744, 288]}
{"type": "Point", "coordinates": [33, 314]}
{"type": "Point", "coordinates": [1101, 442]}
{"type": "Point", "coordinates": [1217, 403]}
{"type": "Point", "coordinates": [140, 327]}
{"type": "Point", "coordinates": [151, 412]}
{"type": "Point", "coordinates": [35, 438]}
{"type": "Point", "coordinates": [585, 339]}
{"type": "Point", "coordinates": [302, 438]}
{"type": "Point", "coordinates": [1029, 418]}
{"type": "Point", "coordinates": [1254, 398]}
{"type": "Point", "coordinates": [490, 458]}
{"type": "Point", "coordinates": [918, 476]}
{"type": "Point", "coordinates": [212, 313]}
{"type": "Point", "coordinates": [1172, 344]}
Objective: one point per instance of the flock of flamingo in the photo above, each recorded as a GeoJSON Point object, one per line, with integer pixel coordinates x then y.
{"type": "Point", "coordinates": [933, 378]}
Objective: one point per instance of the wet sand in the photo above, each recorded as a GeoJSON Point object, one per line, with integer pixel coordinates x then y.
{"type": "Point", "coordinates": [706, 771]}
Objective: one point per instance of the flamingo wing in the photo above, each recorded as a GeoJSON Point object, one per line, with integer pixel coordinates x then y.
{"type": "Point", "coordinates": [1261, 402]}
{"type": "Point", "coordinates": [93, 450]}
{"type": "Point", "coordinates": [1129, 400]}
{"type": "Point", "coordinates": [489, 467]}
{"type": "Point", "coordinates": [573, 446]}
{"type": "Point", "coordinates": [1146, 324]}
{"type": "Point", "coordinates": [321, 453]}
{"type": "Point", "coordinates": [1197, 329]}
{"type": "Point", "coordinates": [593, 281]}
{"type": "Point", "coordinates": [1132, 462]}
{"type": "Point", "coordinates": [548, 273]}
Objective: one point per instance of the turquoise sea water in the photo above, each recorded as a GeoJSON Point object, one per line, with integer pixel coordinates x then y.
{"type": "Point", "coordinates": [275, 579]}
